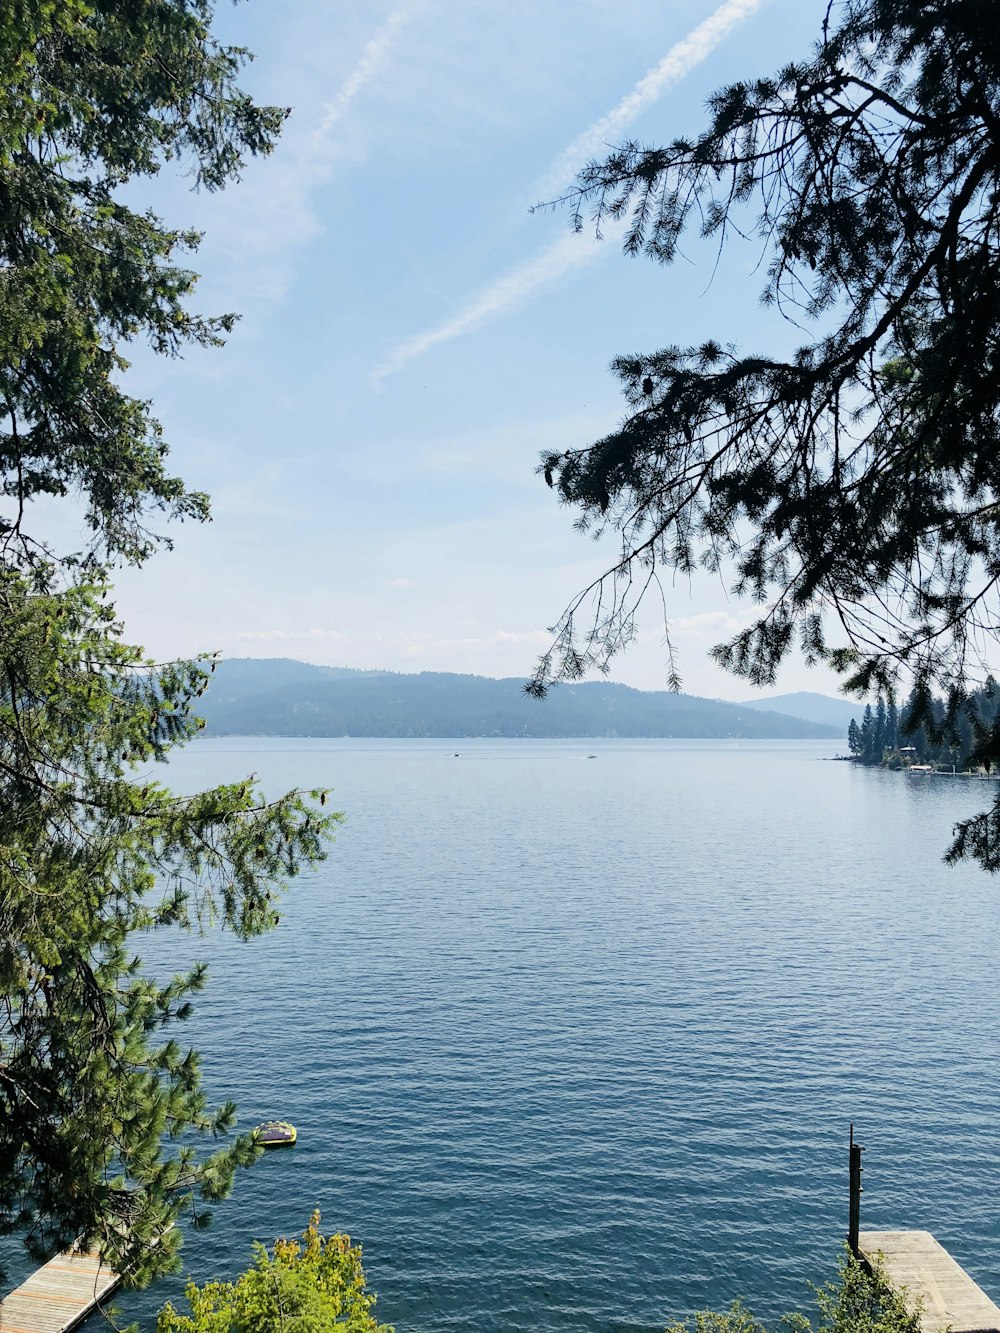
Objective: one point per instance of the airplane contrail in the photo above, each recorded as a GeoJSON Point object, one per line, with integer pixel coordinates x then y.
{"type": "Point", "coordinates": [504, 292]}
{"type": "Point", "coordinates": [372, 57]}
{"type": "Point", "coordinates": [682, 57]}
{"type": "Point", "coordinates": [521, 282]}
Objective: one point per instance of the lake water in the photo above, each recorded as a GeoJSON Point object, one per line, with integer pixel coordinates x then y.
{"type": "Point", "coordinates": [573, 1044]}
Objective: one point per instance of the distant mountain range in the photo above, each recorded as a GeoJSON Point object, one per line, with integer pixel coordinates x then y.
{"type": "Point", "coordinates": [282, 697]}
{"type": "Point", "coordinates": [813, 707]}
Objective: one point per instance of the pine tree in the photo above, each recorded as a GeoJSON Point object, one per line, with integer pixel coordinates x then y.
{"type": "Point", "coordinates": [848, 488]}
{"type": "Point", "coordinates": [892, 726]}
{"type": "Point", "coordinates": [101, 1117]}
{"type": "Point", "coordinates": [854, 738]}
{"type": "Point", "coordinates": [868, 736]}
{"type": "Point", "coordinates": [879, 731]}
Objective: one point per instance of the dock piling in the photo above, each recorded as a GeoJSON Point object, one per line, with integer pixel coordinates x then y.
{"type": "Point", "coordinates": [854, 1220]}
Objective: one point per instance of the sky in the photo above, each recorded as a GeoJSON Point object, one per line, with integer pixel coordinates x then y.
{"type": "Point", "coordinates": [412, 335]}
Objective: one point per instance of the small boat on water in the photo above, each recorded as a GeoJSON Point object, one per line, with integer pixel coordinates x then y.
{"type": "Point", "coordinates": [274, 1134]}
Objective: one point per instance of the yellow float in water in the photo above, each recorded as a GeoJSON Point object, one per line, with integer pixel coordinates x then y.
{"type": "Point", "coordinates": [274, 1134]}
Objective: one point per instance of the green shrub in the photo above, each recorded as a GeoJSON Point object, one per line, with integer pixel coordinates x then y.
{"type": "Point", "coordinates": [315, 1285]}
{"type": "Point", "coordinates": [736, 1319]}
{"type": "Point", "coordinates": [862, 1300]}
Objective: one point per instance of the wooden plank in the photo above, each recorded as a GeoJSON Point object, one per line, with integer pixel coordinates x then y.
{"type": "Point", "coordinates": [933, 1281]}
{"type": "Point", "coordinates": [60, 1295]}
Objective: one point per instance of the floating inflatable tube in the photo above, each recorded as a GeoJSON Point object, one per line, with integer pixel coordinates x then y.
{"type": "Point", "coordinates": [274, 1134]}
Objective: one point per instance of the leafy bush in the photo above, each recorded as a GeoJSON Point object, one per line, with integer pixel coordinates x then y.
{"type": "Point", "coordinates": [860, 1301]}
{"type": "Point", "coordinates": [737, 1319]}
{"type": "Point", "coordinates": [315, 1285]}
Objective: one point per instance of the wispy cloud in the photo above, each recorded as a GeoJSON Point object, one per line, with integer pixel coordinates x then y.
{"type": "Point", "coordinates": [682, 57]}
{"type": "Point", "coordinates": [272, 217]}
{"type": "Point", "coordinates": [503, 294]}
{"type": "Point", "coordinates": [569, 252]}
{"type": "Point", "coordinates": [709, 625]}
{"type": "Point", "coordinates": [284, 635]}
{"type": "Point", "coordinates": [403, 642]}
{"type": "Point", "coordinates": [369, 66]}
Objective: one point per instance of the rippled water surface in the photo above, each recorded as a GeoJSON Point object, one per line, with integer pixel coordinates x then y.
{"type": "Point", "coordinates": [573, 1043]}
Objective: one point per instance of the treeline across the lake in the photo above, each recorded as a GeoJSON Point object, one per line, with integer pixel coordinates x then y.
{"type": "Point", "coordinates": [926, 730]}
{"type": "Point", "coordinates": [282, 697]}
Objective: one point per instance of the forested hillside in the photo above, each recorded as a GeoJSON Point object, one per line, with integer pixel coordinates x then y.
{"type": "Point", "coordinates": [925, 731]}
{"type": "Point", "coordinates": [279, 697]}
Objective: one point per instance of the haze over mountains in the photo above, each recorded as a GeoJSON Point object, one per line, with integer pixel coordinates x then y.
{"type": "Point", "coordinates": [813, 707]}
{"type": "Point", "coordinates": [282, 697]}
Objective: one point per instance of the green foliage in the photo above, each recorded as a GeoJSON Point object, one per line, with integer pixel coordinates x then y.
{"type": "Point", "coordinates": [933, 730]}
{"type": "Point", "coordinates": [95, 94]}
{"type": "Point", "coordinates": [854, 741]}
{"type": "Point", "coordinates": [93, 852]}
{"type": "Point", "coordinates": [308, 1286]}
{"type": "Point", "coordinates": [102, 1118]}
{"type": "Point", "coordinates": [850, 489]}
{"type": "Point", "coordinates": [860, 1301]}
{"type": "Point", "coordinates": [878, 733]}
{"type": "Point", "coordinates": [736, 1319]}
{"type": "Point", "coordinates": [961, 731]}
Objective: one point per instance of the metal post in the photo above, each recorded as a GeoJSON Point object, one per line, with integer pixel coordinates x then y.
{"type": "Point", "coordinates": [854, 1225]}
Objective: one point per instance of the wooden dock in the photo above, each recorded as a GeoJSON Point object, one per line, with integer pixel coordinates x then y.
{"type": "Point", "coordinates": [930, 1278]}
{"type": "Point", "coordinates": [60, 1295]}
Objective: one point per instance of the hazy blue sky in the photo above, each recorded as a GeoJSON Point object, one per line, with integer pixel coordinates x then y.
{"type": "Point", "coordinates": [412, 336]}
